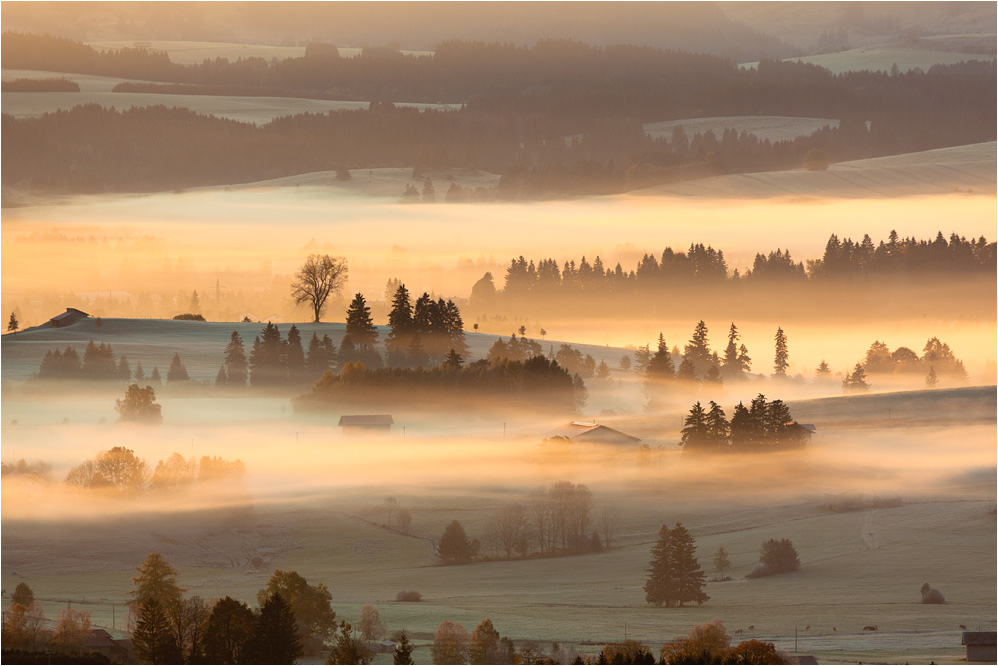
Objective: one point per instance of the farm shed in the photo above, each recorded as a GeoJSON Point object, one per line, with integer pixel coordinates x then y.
{"type": "Point", "coordinates": [70, 316]}
{"type": "Point", "coordinates": [366, 423]}
{"type": "Point", "coordinates": [591, 433]}
{"type": "Point", "coordinates": [118, 651]}
{"type": "Point", "coordinates": [981, 646]}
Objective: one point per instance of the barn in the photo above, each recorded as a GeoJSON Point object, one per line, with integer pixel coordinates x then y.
{"type": "Point", "coordinates": [70, 316]}
{"type": "Point", "coordinates": [369, 424]}
{"type": "Point", "coordinates": [982, 646]}
{"type": "Point", "coordinates": [591, 433]}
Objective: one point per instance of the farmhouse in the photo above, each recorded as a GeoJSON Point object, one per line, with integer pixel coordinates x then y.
{"type": "Point", "coordinates": [117, 651]}
{"type": "Point", "coordinates": [981, 646]}
{"type": "Point", "coordinates": [70, 316]}
{"type": "Point", "coordinates": [366, 423]}
{"type": "Point", "coordinates": [591, 433]}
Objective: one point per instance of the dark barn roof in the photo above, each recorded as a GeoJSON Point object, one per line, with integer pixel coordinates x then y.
{"type": "Point", "coordinates": [68, 317]}
{"type": "Point", "coordinates": [583, 430]}
{"type": "Point", "coordinates": [980, 638]}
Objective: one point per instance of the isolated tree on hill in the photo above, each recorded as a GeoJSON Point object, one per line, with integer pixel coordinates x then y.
{"type": "Point", "coordinates": [781, 360]}
{"type": "Point", "coordinates": [779, 556]}
{"type": "Point", "coordinates": [317, 278]}
{"type": "Point", "coordinates": [139, 406]}
{"type": "Point", "coordinates": [276, 639]}
{"type": "Point", "coordinates": [359, 325]}
{"type": "Point", "coordinates": [309, 604]}
{"type": "Point", "coordinates": [454, 546]}
{"type": "Point", "coordinates": [177, 371]}
{"type": "Point", "coordinates": [450, 644]}
{"type": "Point", "coordinates": [675, 576]}
{"type": "Point", "coordinates": [13, 325]}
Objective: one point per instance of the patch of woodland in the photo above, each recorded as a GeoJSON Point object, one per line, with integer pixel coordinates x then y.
{"type": "Point", "coordinates": [40, 85]}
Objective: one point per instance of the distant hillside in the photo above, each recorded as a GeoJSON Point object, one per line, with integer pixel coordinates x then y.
{"type": "Point", "coordinates": [962, 169]}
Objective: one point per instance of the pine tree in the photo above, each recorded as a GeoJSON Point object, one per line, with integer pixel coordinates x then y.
{"type": "Point", "coordinates": [931, 379]}
{"type": "Point", "coordinates": [221, 379]}
{"type": "Point", "coordinates": [177, 372]}
{"type": "Point", "coordinates": [661, 587]}
{"type": "Point", "coordinates": [402, 654]}
{"type": "Point", "coordinates": [13, 325]}
{"type": "Point", "coordinates": [659, 366]}
{"type": "Point", "coordinates": [731, 351]}
{"type": "Point", "coordinates": [317, 358]}
{"type": "Point", "coordinates": [780, 361]}
{"type": "Point", "coordinates": [124, 369]}
{"type": "Point", "coordinates": [823, 369]}
{"type": "Point", "coordinates": [139, 373]}
{"type": "Point", "coordinates": [276, 640]}
{"type": "Point", "coordinates": [698, 348]}
{"type": "Point", "coordinates": [359, 325]}
{"type": "Point", "coordinates": [155, 377]}
{"type": "Point", "coordinates": [400, 321]}
{"type": "Point", "coordinates": [454, 545]}
{"type": "Point", "coordinates": [741, 430]}
{"type": "Point", "coordinates": [151, 637]}
{"type": "Point", "coordinates": [454, 361]}
{"type": "Point", "coordinates": [295, 356]}
{"type": "Point", "coordinates": [855, 382]}
{"type": "Point", "coordinates": [690, 578]}
{"type": "Point", "coordinates": [718, 429]}
{"type": "Point", "coordinates": [694, 432]}
{"type": "Point", "coordinates": [267, 360]}
{"type": "Point", "coordinates": [686, 371]}
{"type": "Point", "coordinates": [235, 361]}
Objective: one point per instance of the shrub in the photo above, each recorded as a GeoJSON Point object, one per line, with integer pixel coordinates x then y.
{"type": "Point", "coordinates": [780, 556]}
{"type": "Point", "coordinates": [187, 316]}
{"type": "Point", "coordinates": [408, 596]}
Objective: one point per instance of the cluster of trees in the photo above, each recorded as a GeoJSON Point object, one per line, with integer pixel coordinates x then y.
{"type": "Point", "coordinates": [937, 357]}
{"type": "Point", "coordinates": [26, 630]}
{"type": "Point", "coordinates": [536, 382]}
{"type": "Point", "coordinates": [710, 644]}
{"type": "Point", "coordinates": [40, 85]}
{"type": "Point", "coordinates": [555, 520]}
{"type": "Point", "coordinates": [119, 469]}
{"type": "Point", "coordinates": [763, 426]}
{"type": "Point", "coordinates": [776, 557]}
{"type": "Point", "coordinates": [527, 280]}
{"type": "Point", "coordinates": [517, 105]}
{"type": "Point", "coordinates": [422, 334]}
{"type": "Point", "coordinates": [99, 363]}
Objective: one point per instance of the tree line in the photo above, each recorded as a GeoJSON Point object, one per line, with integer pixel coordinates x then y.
{"type": "Point", "coordinates": [120, 470]}
{"type": "Point", "coordinates": [842, 259]}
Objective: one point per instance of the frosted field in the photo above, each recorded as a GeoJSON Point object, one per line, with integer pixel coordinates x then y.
{"type": "Point", "coordinates": [192, 53]}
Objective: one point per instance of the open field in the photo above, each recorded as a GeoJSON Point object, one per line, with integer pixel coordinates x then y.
{"type": "Point", "coordinates": [882, 58]}
{"type": "Point", "coordinates": [858, 568]}
{"type": "Point", "coordinates": [966, 169]}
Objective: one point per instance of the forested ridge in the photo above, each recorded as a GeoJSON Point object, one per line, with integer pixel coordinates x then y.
{"type": "Point", "coordinates": [518, 108]}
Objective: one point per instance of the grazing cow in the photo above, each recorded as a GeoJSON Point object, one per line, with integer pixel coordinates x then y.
{"type": "Point", "coordinates": [963, 627]}
{"type": "Point", "coordinates": [870, 627]}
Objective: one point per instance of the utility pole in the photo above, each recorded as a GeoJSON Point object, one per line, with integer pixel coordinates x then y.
{"type": "Point", "coordinates": [218, 300]}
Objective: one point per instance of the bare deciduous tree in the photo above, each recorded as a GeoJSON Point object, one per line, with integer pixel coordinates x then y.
{"type": "Point", "coordinates": [319, 276]}
{"type": "Point", "coordinates": [609, 522]}
{"type": "Point", "coordinates": [391, 504]}
{"type": "Point", "coordinates": [506, 527]}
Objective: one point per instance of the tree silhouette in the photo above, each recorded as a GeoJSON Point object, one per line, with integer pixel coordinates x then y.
{"type": "Point", "coordinates": [780, 361]}
{"type": "Point", "coordinates": [231, 626]}
{"type": "Point", "coordinates": [347, 649]}
{"type": "Point", "coordinates": [177, 372]}
{"type": "Point", "coordinates": [359, 325]}
{"type": "Point", "coordinates": [694, 432]}
{"type": "Point", "coordinates": [450, 644]}
{"type": "Point", "coordinates": [152, 635]}
{"type": "Point", "coordinates": [402, 654]}
{"type": "Point", "coordinates": [317, 278]}
{"type": "Point", "coordinates": [276, 639]}
{"type": "Point", "coordinates": [139, 406]}
{"type": "Point", "coordinates": [454, 546]}
{"type": "Point", "coordinates": [371, 627]}
{"type": "Point", "coordinates": [721, 562]}
{"type": "Point", "coordinates": [675, 576]}
{"type": "Point", "coordinates": [309, 604]}
{"type": "Point", "coordinates": [13, 325]}
{"type": "Point", "coordinates": [235, 361]}
{"type": "Point", "coordinates": [931, 379]}
{"type": "Point", "coordinates": [780, 556]}
{"type": "Point", "coordinates": [855, 382]}
{"type": "Point", "coordinates": [156, 582]}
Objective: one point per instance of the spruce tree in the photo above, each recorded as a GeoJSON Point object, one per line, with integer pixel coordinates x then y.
{"type": "Point", "coordinates": [780, 361]}
{"type": "Point", "coordinates": [931, 379]}
{"type": "Point", "coordinates": [359, 325]}
{"type": "Point", "coordinates": [402, 654]}
{"type": "Point", "coordinates": [661, 589]}
{"type": "Point", "coordinates": [295, 356]}
{"type": "Point", "coordinates": [267, 359]}
{"type": "Point", "coordinates": [400, 321]}
{"type": "Point", "coordinates": [276, 640]}
{"type": "Point", "coordinates": [317, 358]}
{"type": "Point", "coordinates": [731, 351]}
{"type": "Point", "coordinates": [177, 372]}
{"type": "Point", "coordinates": [151, 637]}
{"type": "Point", "coordinates": [235, 361]}
{"type": "Point", "coordinates": [698, 348]}
{"type": "Point", "coordinates": [13, 325]}
{"type": "Point", "coordinates": [718, 429]}
{"type": "Point", "coordinates": [694, 432]}
{"type": "Point", "coordinates": [690, 578]}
